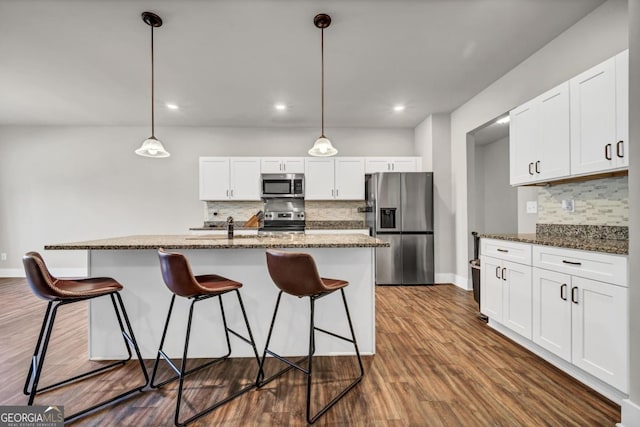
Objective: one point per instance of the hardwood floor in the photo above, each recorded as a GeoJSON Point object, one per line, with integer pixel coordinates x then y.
{"type": "Point", "coordinates": [437, 364]}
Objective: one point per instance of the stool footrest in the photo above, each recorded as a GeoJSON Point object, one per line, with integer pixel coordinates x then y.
{"type": "Point", "coordinates": [333, 335]}
{"type": "Point", "coordinates": [239, 336]}
{"type": "Point", "coordinates": [190, 371]}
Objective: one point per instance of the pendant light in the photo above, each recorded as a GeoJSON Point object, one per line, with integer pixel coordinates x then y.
{"type": "Point", "coordinates": [151, 147]}
{"type": "Point", "coordinates": [322, 146]}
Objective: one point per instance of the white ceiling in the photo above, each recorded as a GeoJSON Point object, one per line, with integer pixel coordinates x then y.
{"type": "Point", "coordinates": [226, 62]}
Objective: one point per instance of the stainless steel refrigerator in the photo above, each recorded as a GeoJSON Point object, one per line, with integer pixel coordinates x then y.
{"type": "Point", "coordinates": [400, 211]}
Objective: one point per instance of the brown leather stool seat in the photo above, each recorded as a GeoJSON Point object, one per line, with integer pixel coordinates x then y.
{"type": "Point", "coordinates": [177, 275]}
{"type": "Point", "coordinates": [296, 274]}
{"type": "Point", "coordinates": [66, 291]}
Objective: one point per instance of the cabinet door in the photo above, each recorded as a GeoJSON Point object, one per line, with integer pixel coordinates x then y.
{"type": "Point", "coordinates": [404, 164]}
{"type": "Point", "coordinates": [349, 178]}
{"type": "Point", "coordinates": [622, 109]}
{"type": "Point", "coordinates": [271, 165]}
{"type": "Point", "coordinates": [293, 165]}
{"type": "Point", "coordinates": [491, 288]}
{"type": "Point", "coordinates": [245, 178]}
{"type": "Point", "coordinates": [554, 139]}
{"type": "Point", "coordinates": [523, 138]}
{"type": "Point", "coordinates": [214, 178]}
{"type": "Point", "coordinates": [516, 314]}
{"type": "Point", "coordinates": [593, 119]}
{"type": "Point", "coordinates": [552, 311]}
{"type": "Point", "coordinates": [374, 164]}
{"type": "Point", "coordinates": [600, 330]}
{"type": "Point", "coordinates": [318, 177]}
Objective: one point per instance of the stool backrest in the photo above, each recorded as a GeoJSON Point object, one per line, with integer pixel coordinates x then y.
{"type": "Point", "coordinates": [40, 280]}
{"type": "Point", "coordinates": [295, 273]}
{"type": "Point", "coordinates": [177, 274]}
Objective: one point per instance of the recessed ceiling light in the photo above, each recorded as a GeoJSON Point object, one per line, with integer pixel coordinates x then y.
{"type": "Point", "coordinates": [503, 120]}
{"type": "Point", "coordinates": [398, 108]}
{"type": "Point", "coordinates": [172, 106]}
{"type": "Point", "coordinates": [280, 107]}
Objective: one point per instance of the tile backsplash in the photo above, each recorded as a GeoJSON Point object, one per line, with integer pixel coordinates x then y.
{"type": "Point", "coordinates": [316, 210]}
{"type": "Point", "coordinates": [597, 202]}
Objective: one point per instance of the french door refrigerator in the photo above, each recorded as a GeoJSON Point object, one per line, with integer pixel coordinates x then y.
{"type": "Point", "coordinates": [400, 211]}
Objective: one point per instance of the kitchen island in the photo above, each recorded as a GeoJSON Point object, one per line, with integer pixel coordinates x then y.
{"type": "Point", "coordinates": [133, 261]}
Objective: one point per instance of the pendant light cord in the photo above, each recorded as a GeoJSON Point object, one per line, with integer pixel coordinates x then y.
{"type": "Point", "coordinates": [322, 74]}
{"type": "Point", "coordinates": [152, 95]}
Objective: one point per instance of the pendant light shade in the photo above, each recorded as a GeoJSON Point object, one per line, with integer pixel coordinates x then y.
{"type": "Point", "coordinates": [322, 146]}
{"type": "Point", "coordinates": [152, 147]}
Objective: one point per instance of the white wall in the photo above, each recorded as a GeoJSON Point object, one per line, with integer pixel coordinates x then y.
{"type": "Point", "coordinates": [496, 199]}
{"type": "Point", "coordinates": [631, 407]}
{"type": "Point", "coordinates": [62, 184]}
{"type": "Point", "coordinates": [598, 36]}
{"type": "Point", "coordinates": [433, 142]}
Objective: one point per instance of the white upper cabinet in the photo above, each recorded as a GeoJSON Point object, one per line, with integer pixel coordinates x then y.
{"type": "Point", "coordinates": [600, 117]}
{"type": "Point", "coordinates": [282, 165]}
{"type": "Point", "coordinates": [339, 178]}
{"type": "Point", "coordinates": [540, 138]}
{"type": "Point", "coordinates": [214, 178]}
{"type": "Point", "coordinates": [349, 178]}
{"type": "Point", "coordinates": [229, 178]}
{"type": "Point", "coordinates": [393, 164]}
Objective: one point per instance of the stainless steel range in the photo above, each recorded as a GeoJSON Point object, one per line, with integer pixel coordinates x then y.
{"type": "Point", "coordinates": [283, 215]}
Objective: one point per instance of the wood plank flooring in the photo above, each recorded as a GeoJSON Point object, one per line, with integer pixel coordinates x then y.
{"type": "Point", "coordinates": [437, 364]}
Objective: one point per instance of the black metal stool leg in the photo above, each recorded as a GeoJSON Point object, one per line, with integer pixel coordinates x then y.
{"type": "Point", "coordinates": [314, 418]}
{"type": "Point", "coordinates": [312, 345]}
{"type": "Point", "coordinates": [37, 363]}
{"type": "Point", "coordinates": [160, 349]}
{"type": "Point", "coordinates": [183, 371]}
{"type": "Point", "coordinates": [43, 353]}
{"type": "Point", "coordinates": [36, 353]}
{"type": "Point", "coordinates": [246, 322]}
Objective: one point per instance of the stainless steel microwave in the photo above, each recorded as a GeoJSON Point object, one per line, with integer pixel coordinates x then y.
{"type": "Point", "coordinates": [282, 185]}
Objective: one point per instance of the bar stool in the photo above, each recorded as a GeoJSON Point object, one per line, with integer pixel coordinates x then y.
{"type": "Point", "coordinates": [296, 274]}
{"type": "Point", "coordinates": [61, 292]}
{"type": "Point", "coordinates": [178, 277]}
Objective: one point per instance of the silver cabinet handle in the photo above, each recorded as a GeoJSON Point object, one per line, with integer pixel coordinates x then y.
{"type": "Point", "coordinates": [537, 166]}
{"type": "Point", "coordinates": [231, 193]}
{"type": "Point", "coordinates": [564, 261]}
{"type": "Point", "coordinates": [332, 192]}
{"type": "Point", "coordinates": [563, 290]}
{"type": "Point", "coordinates": [337, 192]}
{"type": "Point", "coordinates": [574, 295]}
{"type": "Point", "coordinates": [280, 167]}
{"type": "Point", "coordinates": [503, 276]}
{"type": "Point", "coordinates": [227, 193]}
{"type": "Point", "coordinates": [502, 250]}
{"type": "Point", "coordinates": [530, 166]}
{"type": "Point", "coordinates": [498, 272]}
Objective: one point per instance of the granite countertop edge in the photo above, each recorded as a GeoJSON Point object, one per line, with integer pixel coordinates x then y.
{"type": "Point", "coordinates": [617, 247]}
{"type": "Point", "coordinates": [203, 242]}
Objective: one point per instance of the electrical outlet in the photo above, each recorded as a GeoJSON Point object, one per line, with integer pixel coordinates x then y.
{"type": "Point", "coordinates": [568, 205]}
{"type": "Point", "coordinates": [3, 256]}
{"type": "Point", "coordinates": [532, 207]}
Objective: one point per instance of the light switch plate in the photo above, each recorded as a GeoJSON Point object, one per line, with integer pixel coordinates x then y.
{"type": "Point", "coordinates": [568, 206]}
{"type": "Point", "coordinates": [532, 207]}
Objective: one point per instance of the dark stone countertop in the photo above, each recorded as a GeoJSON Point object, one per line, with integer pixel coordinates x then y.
{"type": "Point", "coordinates": [620, 247]}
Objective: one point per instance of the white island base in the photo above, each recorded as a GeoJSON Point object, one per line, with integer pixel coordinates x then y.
{"type": "Point", "coordinates": [147, 299]}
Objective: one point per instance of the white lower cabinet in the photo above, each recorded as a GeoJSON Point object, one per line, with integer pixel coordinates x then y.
{"type": "Point", "coordinates": [557, 303]}
{"type": "Point", "coordinates": [584, 322]}
{"type": "Point", "coordinates": [506, 294]}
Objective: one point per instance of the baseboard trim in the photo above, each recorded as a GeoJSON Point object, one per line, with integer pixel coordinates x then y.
{"type": "Point", "coordinates": [587, 379]}
{"type": "Point", "coordinates": [630, 414]}
{"type": "Point", "coordinates": [60, 272]}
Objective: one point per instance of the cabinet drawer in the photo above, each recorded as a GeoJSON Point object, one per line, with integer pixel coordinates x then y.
{"type": "Point", "coordinates": [507, 250]}
{"type": "Point", "coordinates": [590, 265]}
